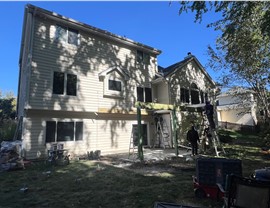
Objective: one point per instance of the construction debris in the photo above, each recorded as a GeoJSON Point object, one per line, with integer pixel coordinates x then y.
{"type": "Point", "coordinates": [10, 158]}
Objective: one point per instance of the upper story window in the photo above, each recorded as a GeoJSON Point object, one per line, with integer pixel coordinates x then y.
{"type": "Point", "coordinates": [115, 85]}
{"type": "Point", "coordinates": [195, 94]}
{"type": "Point", "coordinates": [143, 57]}
{"type": "Point", "coordinates": [144, 94]}
{"type": "Point", "coordinates": [67, 35]}
{"type": "Point", "coordinates": [64, 84]}
{"type": "Point", "coordinates": [114, 82]}
{"type": "Point", "coordinates": [202, 97]}
{"type": "Point", "coordinates": [184, 95]}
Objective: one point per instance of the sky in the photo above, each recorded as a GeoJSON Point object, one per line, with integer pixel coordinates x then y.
{"type": "Point", "coordinates": [156, 24]}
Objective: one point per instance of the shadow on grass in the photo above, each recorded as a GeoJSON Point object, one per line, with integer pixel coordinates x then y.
{"type": "Point", "coordinates": [95, 184]}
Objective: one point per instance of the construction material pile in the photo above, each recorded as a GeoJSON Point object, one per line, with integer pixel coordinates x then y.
{"type": "Point", "coordinates": [10, 158]}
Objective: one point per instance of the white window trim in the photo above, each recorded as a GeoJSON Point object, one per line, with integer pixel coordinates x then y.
{"type": "Point", "coordinates": [67, 31]}
{"type": "Point", "coordinates": [65, 85]}
{"type": "Point", "coordinates": [61, 120]}
{"type": "Point", "coordinates": [122, 77]}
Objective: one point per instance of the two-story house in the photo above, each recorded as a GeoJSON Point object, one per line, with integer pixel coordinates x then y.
{"type": "Point", "coordinates": [78, 85]}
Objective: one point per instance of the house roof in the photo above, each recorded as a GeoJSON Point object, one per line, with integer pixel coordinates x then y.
{"type": "Point", "coordinates": [170, 70]}
{"type": "Point", "coordinates": [103, 33]}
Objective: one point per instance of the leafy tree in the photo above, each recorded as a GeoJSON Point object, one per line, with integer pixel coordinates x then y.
{"type": "Point", "coordinates": [7, 116]}
{"type": "Point", "coordinates": [242, 52]}
{"type": "Point", "coordinates": [7, 106]}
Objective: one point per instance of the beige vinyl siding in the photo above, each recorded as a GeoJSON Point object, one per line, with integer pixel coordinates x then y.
{"type": "Point", "coordinates": [184, 78]}
{"type": "Point", "coordinates": [109, 133]}
{"type": "Point", "coordinates": [92, 56]}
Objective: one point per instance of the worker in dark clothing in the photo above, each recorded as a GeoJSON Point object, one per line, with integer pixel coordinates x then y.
{"type": "Point", "coordinates": [193, 138]}
{"type": "Point", "coordinates": [209, 111]}
{"type": "Point", "coordinates": [207, 137]}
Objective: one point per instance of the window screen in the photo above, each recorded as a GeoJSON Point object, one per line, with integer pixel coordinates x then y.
{"type": "Point", "coordinates": [50, 131]}
{"type": "Point", "coordinates": [115, 85]}
{"type": "Point", "coordinates": [58, 83]}
{"type": "Point", "coordinates": [140, 96]}
{"type": "Point", "coordinates": [71, 84]}
{"type": "Point", "coordinates": [73, 36]}
{"type": "Point", "coordinates": [79, 131]}
{"type": "Point", "coordinates": [148, 94]}
{"type": "Point", "coordinates": [65, 131]}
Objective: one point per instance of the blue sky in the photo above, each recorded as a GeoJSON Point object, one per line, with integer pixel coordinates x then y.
{"type": "Point", "coordinates": [156, 24]}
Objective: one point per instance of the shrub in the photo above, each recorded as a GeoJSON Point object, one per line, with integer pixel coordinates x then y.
{"type": "Point", "coordinates": [7, 130]}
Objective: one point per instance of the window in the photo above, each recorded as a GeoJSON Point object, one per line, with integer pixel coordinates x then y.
{"type": "Point", "coordinates": [135, 134]}
{"type": "Point", "coordinates": [67, 35]}
{"type": "Point", "coordinates": [63, 131]}
{"type": "Point", "coordinates": [59, 79]}
{"type": "Point", "coordinates": [115, 85]}
{"type": "Point", "coordinates": [58, 83]}
{"type": "Point", "coordinates": [143, 57]}
{"type": "Point", "coordinates": [144, 94]}
{"type": "Point", "coordinates": [71, 84]}
{"type": "Point", "coordinates": [194, 91]}
{"type": "Point", "coordinates": [184, 95]}
{"type": "Point", "coordinates": [202, 97]}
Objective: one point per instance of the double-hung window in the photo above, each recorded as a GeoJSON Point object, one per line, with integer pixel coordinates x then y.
{"type": "Point", "coordinates": [64, 131]}
{"type": "Point", "coordinates": [142, 57]}
{"type": "Point", "coordinates": [144, 94]}
{"type": "Point", "coordinates": [67, 35]}
{"type": "Point", "coordinates": [64, 84]}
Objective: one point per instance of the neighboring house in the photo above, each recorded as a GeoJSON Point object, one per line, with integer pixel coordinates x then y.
{"type": "Point", "coordinates": [78, 85]}
{"type": "Point", "coordinates": [237, 107]}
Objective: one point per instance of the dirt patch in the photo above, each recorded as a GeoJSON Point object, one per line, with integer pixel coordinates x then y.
{"type": "Point", "coordinates": [172, 165]}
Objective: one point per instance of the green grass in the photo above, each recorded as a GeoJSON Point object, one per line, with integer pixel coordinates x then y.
{"type": "Point", "coordinates": [101, 184]}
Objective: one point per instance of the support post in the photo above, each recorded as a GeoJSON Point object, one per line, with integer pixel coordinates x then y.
{"type": "Point", "coordinates": [139, 118]}
{"type": "Point", "coordinates": [175, 133]}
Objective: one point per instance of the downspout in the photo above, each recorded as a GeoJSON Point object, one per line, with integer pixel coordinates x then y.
{"type": "Point", "coordinates": [29, 15]}
{"type": "Point", "coordinates": [29, 65]}
{"type": "Point", "coordinates": [139, 129]}
{"type": "Point", "coordinates": [174, 132]}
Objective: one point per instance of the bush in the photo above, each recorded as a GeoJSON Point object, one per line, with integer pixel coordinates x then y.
{"type": "Point", "coordinates": [7, 130]}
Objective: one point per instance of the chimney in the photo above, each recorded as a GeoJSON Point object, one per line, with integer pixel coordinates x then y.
{"type": "Point", "coordinates": [188, 55]}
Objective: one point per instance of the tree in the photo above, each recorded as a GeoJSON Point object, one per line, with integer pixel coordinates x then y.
{"type": "Point", "coordinates": [242, 52]}
{"type": "Point", "coordinates": [7, 106]}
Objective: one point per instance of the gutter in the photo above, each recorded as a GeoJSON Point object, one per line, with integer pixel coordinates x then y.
{"type": "Point", "coordinates": [94, 30]}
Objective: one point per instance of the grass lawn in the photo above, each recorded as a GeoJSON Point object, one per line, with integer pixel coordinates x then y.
{"type": "Point", "coordinates": [109, 183]}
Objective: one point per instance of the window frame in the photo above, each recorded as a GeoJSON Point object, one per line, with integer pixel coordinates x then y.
{"type": "Point", "coordinates": [107, 92]}
{"type": "Point", "coordinates": [65, 36]}
{"type": "Point", "coordinates": [184, 95]}
{"type": "Point", "coordinates": [143, 95]}
{"type": "Point", "coordinates": [65, 87]}
{"type": "Point", "coordinates": [54, 132]}
{"type": "Point", "coordinates": [142, 57]}
{"type": "Point", "coordinates": [194, 94]}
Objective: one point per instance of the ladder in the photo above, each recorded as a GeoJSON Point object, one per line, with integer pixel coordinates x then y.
{"type": "Point", "coordinates": [133, 148]}
{"type": "Point", "coordinates": [162, 133]}
{"type": "Point", "coordinates": [215, 139]}
{"type": "Point", "coordinates": [18, 131]}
